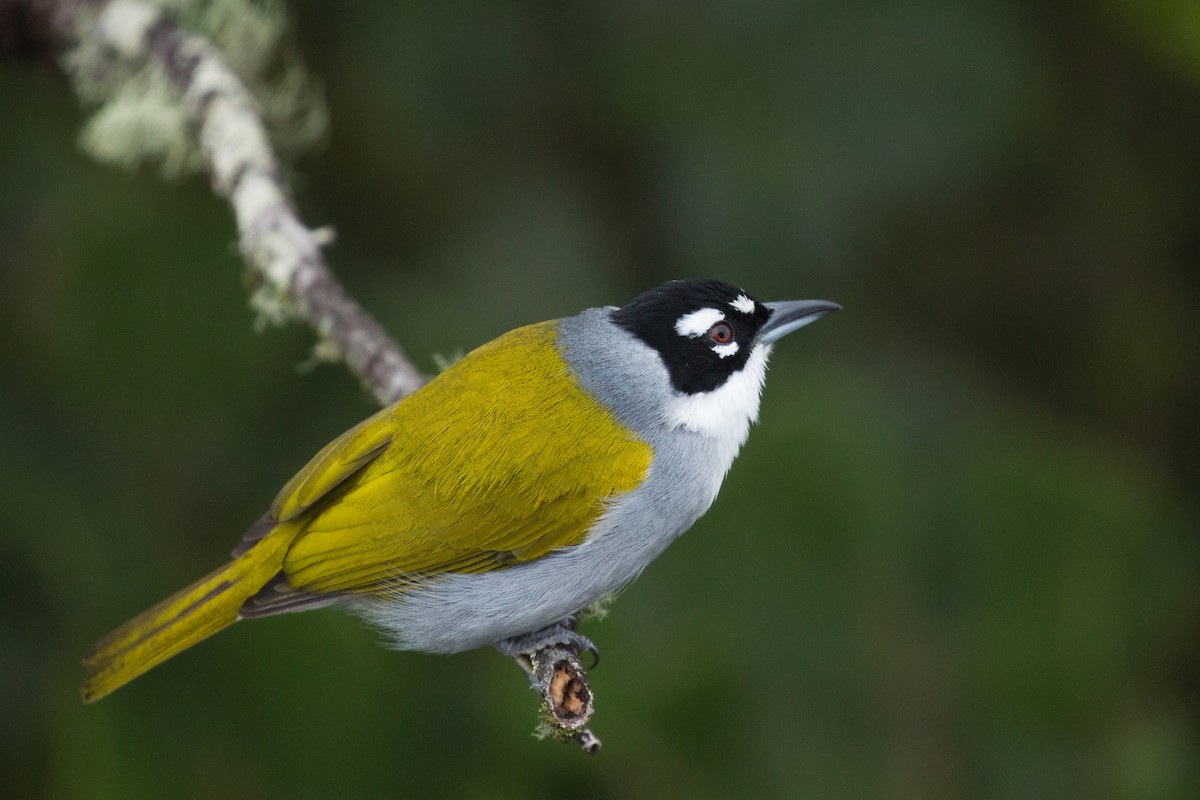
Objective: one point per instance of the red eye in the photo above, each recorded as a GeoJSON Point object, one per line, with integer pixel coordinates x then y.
{"type": "Point", "coordinates": [721, 333]}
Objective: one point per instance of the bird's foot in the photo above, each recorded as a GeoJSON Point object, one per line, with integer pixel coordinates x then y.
{"type": "Point", "coordinates": [560, 633]}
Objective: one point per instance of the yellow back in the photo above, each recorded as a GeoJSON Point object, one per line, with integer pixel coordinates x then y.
{"type": "Point", "coordinates": [500, 459]}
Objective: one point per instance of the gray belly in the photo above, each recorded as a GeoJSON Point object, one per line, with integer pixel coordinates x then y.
{"type": "Point", "coordinates": [461, 612]}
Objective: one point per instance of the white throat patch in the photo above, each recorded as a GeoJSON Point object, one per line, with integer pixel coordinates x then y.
{"type": "Point", "coordinates": [727, 411]}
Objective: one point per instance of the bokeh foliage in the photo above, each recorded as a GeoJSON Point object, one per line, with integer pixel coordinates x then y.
{"type": "Point", "coordinates": [959, 556]}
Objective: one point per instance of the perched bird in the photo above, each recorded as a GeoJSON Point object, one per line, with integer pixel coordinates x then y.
{"type": "Point", "coordinates": [532, 478]}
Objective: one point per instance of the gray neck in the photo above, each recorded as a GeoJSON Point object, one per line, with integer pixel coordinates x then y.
{"type": "Point", "coordinates": [629, 378]}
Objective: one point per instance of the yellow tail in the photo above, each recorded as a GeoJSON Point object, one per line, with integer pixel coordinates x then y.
{"type": "Point", "coordinates": [183, 619]}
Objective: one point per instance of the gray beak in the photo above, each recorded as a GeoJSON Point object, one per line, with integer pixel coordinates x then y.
{"type": "Point", "coordinates": [791, 315]}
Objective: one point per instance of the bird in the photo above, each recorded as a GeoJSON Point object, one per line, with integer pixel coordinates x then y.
{"type": "Point", "coordinates": [537, 475]}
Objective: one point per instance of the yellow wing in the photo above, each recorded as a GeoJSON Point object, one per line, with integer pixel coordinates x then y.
{"type": "Point", "coordinates": [500, 459]}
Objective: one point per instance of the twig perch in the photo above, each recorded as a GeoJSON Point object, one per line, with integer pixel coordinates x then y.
{"type": "Point", "coordinates": [567, 699]}
{"type": "Point", "coordinates": [276, 245]}
{"type": "Point", "coordinates": [272, 239]}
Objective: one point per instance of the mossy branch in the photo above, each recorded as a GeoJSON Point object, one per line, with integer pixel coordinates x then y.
{"type": "Point", "coordinates": [567, 699]}
{"type": "Point", "coordinates": [284, 254]}
{"type": "Point", "coordinates": [172, 95]}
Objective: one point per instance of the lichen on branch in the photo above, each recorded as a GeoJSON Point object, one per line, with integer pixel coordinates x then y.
{"type": "Point", "coordinates": [185, 89]}
{"type": "Point", "coordinates": [181, 84]}
{"type": "Point", "coordinates": [138, 117]}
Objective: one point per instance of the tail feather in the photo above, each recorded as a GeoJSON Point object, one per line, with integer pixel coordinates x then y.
{"type": "Point", "coordinates": [185, 618]}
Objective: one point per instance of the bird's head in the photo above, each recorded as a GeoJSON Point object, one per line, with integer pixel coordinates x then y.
{"type": "Point", "coordinates": [708, 332]}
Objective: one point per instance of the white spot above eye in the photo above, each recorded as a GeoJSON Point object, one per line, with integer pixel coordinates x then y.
{"type": "Point", "coordinates": [743, 304]}
{"type": "Point", "coordinates": [697, 323]}
{"type": "Point", "coordinates": [726, 350]}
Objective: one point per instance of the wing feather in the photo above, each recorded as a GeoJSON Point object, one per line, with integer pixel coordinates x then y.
{"type": "Point", "coordinates": [500, 459]}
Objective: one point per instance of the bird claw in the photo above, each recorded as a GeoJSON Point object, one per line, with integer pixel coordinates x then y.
{"type": "Point", "coordinates": [561, 633]}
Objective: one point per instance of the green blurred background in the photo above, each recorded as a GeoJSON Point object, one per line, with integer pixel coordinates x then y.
{"type": "Point", "coordinates": [959, 556]}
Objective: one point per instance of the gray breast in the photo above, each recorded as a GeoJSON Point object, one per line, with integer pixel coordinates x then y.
{"type": "Point", "coordinates": [461, 612]}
